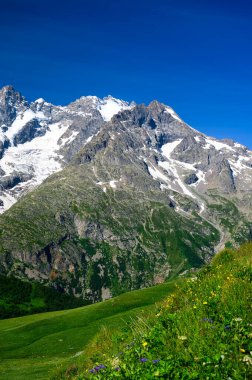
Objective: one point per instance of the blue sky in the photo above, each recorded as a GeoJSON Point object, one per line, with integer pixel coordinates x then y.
{"type": "Point", "coordinates": [195, 56]}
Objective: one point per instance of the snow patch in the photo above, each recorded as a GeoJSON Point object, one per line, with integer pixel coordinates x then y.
{"type": "Point", "coordinates": [218, 145]}
{"type": "Point", "coordinates": [89, 139]}
{"type": "Point", "coordinates": [171, 167]}
{"type": "Point", "coordinates": [156, 174]}
{"type": "Point", "coordinates": [20, 122]}
{"type": "Point", "coordinates": [238, 166]}
{"type": "Point", "coordinates": [68, 140]}
{"type": "Point", "coordinates": [40, 100]}
{"type": "Point", "coordinates": [8, 201]}
{"type": "Point", "coordinates": [108, 107]}
{"type": "Point", "coordinates": [168, 148]}
{"type": "Point", "coordinates": [38, 156]}
{"type": "Point", "coordinates": [207, 146]}
{"type": "Point", "coordinates": [172, 113]}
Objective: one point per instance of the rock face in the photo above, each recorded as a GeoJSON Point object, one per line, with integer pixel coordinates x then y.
{"type": "Point", "coordinates": [11, 103]}
{"type": "Point", "coordinates": [130, 195]}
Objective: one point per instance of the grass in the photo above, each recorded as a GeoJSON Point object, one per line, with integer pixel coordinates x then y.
{"type": "Point", "coordinates": [32, 346]}
{"type": "Point", "coordinates": [203, 330]}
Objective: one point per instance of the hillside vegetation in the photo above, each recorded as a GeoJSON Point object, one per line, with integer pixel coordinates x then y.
{"type": "Point", "coordinates": [201, 331]}
{"type": "Point", "coordinates": [32, 346]}
{"type": "Point", "coordinates": [19, 297]}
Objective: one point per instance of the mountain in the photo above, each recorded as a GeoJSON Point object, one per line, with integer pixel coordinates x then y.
{"type": "Point", "coordinates": [114, 196]}
{"type": "Point", "coordinates": [37, 139]}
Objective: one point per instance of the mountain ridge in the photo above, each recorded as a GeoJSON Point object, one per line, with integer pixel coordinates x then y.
{"type": "Point", "coordinates": [129, 203]}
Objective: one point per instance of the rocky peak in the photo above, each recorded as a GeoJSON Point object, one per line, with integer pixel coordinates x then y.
{"type": "Point", "coordinates": [156, 107]}
{"type": "Point", "coordinates": [11, 102]}
{"type": "Point", "coordinates": [9, 96]}
{"type": "Point", "coordinates": [39, 138]}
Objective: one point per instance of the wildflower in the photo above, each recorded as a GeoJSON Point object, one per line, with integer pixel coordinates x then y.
{"type": "Point", "coordinates": [145, 344]}
{"type": "Point", "coordinates": [242, 350]}
{"type": "Point", "coordinates": [97, 368]}
{"type": "Point", "coordinates": [227, 327]}
{"type": "Point", "coordinates": [117, 369]}
{"type": "Point", "coordinates": [115, 362]}
{"type": "Point", "coordinates": [237, 319]}
{"type": "Point", "coordinates": [247, 359]}
{"type": "Point", "coordinates": [182, 337]}
{"type": "Point", "coordinates": [143, 360]}
{"type": "Point", "coordinates": [156, 361]}
{"type": "Point", "coordinates": [195, 307]}
{"type": "Point", "coordinates": [205, 303]}
{"type": "Point", "coordinates": [209, 320]}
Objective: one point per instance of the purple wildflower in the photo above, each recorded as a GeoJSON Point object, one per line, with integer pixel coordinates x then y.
{"type": "Point", "coordinates": [209, 320]}
{"type": "Point", "coordinates": [98, 367]}
{"type": "Point", "coordinates": [143, 360]}
{"type": "Point", "coordinates": [156, 361]}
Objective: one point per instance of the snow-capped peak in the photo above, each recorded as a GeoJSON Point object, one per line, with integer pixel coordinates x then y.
{"type": "Point", "coordinates": [110, 106]}
{"type": "Point", "coordinates": [40, 100]}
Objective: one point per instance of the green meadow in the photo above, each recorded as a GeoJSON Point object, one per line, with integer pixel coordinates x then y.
{"type": "Point", "coordinates": [34, 346]}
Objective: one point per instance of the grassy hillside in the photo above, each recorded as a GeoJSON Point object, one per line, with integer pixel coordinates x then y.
{"type": "Point", "coordinates": [32, 346]}
{"type": "Point", "coordinates": [201, 331]}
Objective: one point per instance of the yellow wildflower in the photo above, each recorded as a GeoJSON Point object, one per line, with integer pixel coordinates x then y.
{"type": "Point", "coordinates": [182, 337]}
{"type": "Point", "coordinates": [145, 344]}
{"type": "Point", "coordinates": [205, 303]}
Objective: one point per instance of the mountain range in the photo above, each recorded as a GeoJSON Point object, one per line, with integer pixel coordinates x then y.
{"type": "Point", "coordinates": [104, 196]}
